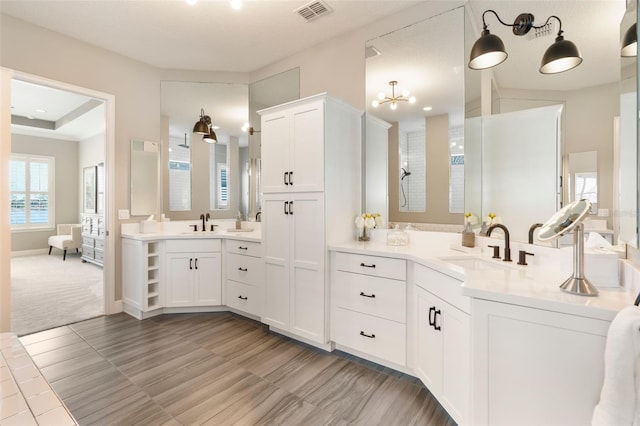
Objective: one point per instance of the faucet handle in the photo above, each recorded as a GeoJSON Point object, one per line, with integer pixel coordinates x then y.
{"type": "Point", "coordinates": [213, 227]}
{"type": "Point", "coordinates": [496, 252]}
{"type": "Point", "coordinates": [522, 257]}
{"type": "Point", "coordinates": [195, 227]}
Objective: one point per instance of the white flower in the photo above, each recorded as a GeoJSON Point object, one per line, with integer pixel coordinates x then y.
{"type": "Point", "coordinates": [359, 222]}
{"type": "Point", "coordinates": [378, 220]}
{"type": "Point", "coordinates": [370, 222]}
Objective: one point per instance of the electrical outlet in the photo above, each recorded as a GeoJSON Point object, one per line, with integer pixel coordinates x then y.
{"type": "Point", "coordinates": [603, 212]}
{"type": "Point", "coordinates": [123, 214]}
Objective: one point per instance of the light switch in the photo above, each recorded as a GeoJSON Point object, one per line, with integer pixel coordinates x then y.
{"type": "Point", "coordinates": [123, 214]}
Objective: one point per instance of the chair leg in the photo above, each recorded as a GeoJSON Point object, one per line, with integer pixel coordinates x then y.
{"type": "Point", "coordinates": [50, 247]}
{"type": "Point", "coordinates": [77, 251]}
{"type": "Point", "coordinates": [64, 255]}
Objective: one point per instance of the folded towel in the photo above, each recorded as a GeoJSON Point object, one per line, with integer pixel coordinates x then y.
{"type": "Point", "coordinates": [619, 398]}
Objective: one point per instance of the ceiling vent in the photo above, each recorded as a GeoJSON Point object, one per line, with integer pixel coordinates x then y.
{"type": "Point", "coordinates": [371, 51]}
{"type": "Point", "coordinates": [313, 10]}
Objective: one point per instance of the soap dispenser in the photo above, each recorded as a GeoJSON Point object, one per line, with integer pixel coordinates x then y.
{"type": "Point", "coordinates": [468, 236]}
{"type": "Point", "coordinates": [238, 220]}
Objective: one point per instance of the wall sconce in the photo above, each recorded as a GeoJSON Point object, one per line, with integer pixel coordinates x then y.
{"type": "Point", "coordinates": [630, 42]}
{"type": "Point", "coordinates": [488, 51]}
{"type": "Point", "coordinates": [393, 99]}
{"type": "Point", "coordinates": [203, 127]}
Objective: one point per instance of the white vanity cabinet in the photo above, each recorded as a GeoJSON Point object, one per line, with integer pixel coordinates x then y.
{"type": "Point", "coordinates": [141, 284]}
{"type": "Point", "coordinates": [311, 163]}
{"type": "Point", "coordinates": [443, 341]}
{"type": "Point", "coordinates": [193, 273]}
{"type": "Point", "coordinates": [244, 283]}
{"type": "Point", "coordinates": [535, 366]}
{"type": "Point", "coordinates": [368, 306]}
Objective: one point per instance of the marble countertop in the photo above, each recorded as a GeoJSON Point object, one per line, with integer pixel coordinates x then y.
{"type": "Point", "coordinates": [535, 285]}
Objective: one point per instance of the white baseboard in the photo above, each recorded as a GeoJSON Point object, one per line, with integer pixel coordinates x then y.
{"type": "Point", "coordinates": [33, 252]}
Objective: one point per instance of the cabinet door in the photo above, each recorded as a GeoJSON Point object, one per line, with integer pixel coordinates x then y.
{"type": "Point", "coordinates": [208, 279]}
{"type": "Point", "coordinates": [275, 148]}
{"type": "Point", "coordinates": [456, 354]}
{"type": "Point", "coordinates": [307, 148]}
{"type": "Point", "coordinates": [179, 274]}
{"type": "Point", "coordinates": [308, 292]}
{"type": "Point", "coordinates": [429, 357]}
{"type": "Point", "coordinates": [275, 236]}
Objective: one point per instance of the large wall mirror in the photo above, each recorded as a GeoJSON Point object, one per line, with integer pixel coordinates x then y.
{"type": "Point", "coordinates": [589, 96]}
{"type": "Point", "coordinates": [425, 138]}
{"type": "Point", "coordinates": [198, 176]}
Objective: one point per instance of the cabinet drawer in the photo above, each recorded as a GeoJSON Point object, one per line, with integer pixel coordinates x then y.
{"type": "Point", "coordinates": [88, 241]}
{"type": "Point", "coordinates": [445, 287]}
{"type": "Point", "coordinates": [188, 246]}
{"type": "Point", "coordinates": [99, 244]}
{"type": "Point", "coordinates": [87, 251]}
{"type": "Point", "coordinates": [245, 269]}
{"type": "Point", "coordinates": [98, 255]}
{"type": "Point", "coordinates": [247, 248]}
{"type": "Point", "coordinates": [244, 297]}
{"type": "Point", "coordinates": [371, 265]}
{"type": "Point", "coordinates": [377, 296]}
{"type": "Point", "coordinates": [387, 339]}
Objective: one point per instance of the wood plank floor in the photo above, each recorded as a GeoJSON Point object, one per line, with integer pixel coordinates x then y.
{"type": "Point", "coordinates": [218, 369]}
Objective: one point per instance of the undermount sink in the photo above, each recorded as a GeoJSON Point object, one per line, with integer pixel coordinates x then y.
{"type": "Point", "coordinates": [475, 263]}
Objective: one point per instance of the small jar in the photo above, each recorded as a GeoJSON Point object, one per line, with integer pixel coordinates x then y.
{"type": "Point", "coordinates": [468, 236]}
{"type": "Point", "coordinates": [397, 237]}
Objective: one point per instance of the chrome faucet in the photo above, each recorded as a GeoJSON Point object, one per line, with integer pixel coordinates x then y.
{"type": "Point", "coordinates": [533, 228]}
{"type": "Point", "coordinates": [507, 248]}
{"type": "Point", "coordinates": [259, 217]}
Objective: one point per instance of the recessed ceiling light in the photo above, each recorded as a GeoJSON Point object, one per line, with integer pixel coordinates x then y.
{"type": "Point", "coordinates": [427, 108]}
{"type": "Point", "coordinates": [235, 4]}
{"type": "Point", "coordinates": [41, 110]}
{"type": "Point", "coordinates": [215, 127]}
{"type": "Point", "coordinates": [191, 2]}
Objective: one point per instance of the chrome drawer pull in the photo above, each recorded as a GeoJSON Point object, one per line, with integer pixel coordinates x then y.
{"type": "Point", "coordinates": [368, 266]}
{"type": "Point", "coordinates": [243, 297]}
{"type": "Point", "coordinates": [370, 336]}
{"type": "Point", "coordinates": [367, 295]}
{"type": "Point", "coordinates": [242, 269]}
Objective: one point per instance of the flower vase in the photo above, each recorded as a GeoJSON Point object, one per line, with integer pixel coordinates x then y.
{"type": "Point", "coordinates": [364, 234]}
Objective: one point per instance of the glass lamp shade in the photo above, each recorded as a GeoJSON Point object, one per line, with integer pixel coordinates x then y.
{"type": "Point", "coordinates": [561, 56]}
{"type": "Point", "coordinates": [210, 137]}
{"type": "Point", "coordinates": [630, 42]}
{"type": "Point", "coordinates": [488, 51]}
{"type": "Point", "coordinates": [201, 127]}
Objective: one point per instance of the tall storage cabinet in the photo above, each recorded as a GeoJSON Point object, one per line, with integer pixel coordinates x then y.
{"type": "Point", "coordinates": [311, 182]}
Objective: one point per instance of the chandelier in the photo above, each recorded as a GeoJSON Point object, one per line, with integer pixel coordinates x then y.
{"type": "Point", "coordinates": [393, 99]}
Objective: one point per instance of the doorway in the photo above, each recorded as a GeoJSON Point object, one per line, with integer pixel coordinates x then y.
{"type": "Point", "coordinates": [31, 243]}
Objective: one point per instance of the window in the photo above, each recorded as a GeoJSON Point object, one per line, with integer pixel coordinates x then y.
{"type": "Point", "coordinates": [223, 190]}
{"type": "Point", "coordinates": [31, 187]}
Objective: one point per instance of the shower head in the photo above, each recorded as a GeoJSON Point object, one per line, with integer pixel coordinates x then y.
{"type": "Point", "coordinates": [404, 174]}
{"type": "Point", "coordinates": [185, 144]}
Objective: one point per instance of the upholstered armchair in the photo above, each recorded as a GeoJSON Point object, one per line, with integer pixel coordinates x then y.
{"type": "Point", "coordinates": [69, 236]}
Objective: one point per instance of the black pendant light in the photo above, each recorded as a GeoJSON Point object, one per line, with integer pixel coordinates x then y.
{"type": "Point", "coordinates": [488, 51]}
{"type": "Point", "coordinates": [630, 42]}
{"type": "Point", "coordinates": [201, 127]}
{"type": "Point", "coordinates": [561, 56]}
{"type": "Point", "coordinates": [210, 137]}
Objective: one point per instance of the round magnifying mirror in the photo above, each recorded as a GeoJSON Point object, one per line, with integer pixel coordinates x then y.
{"type": "Point", "coordinates": [565, 220]}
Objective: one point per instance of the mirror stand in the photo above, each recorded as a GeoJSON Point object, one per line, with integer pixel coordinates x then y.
{"type": "Point", "coordinates": [578, 283]}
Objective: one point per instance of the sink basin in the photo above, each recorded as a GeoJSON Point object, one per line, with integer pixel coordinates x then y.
{"type": "Point", "coordinates": [475, 263]}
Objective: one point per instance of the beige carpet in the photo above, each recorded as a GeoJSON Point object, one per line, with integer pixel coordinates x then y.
{"type": "Point", "coordinates": [47, 292]}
